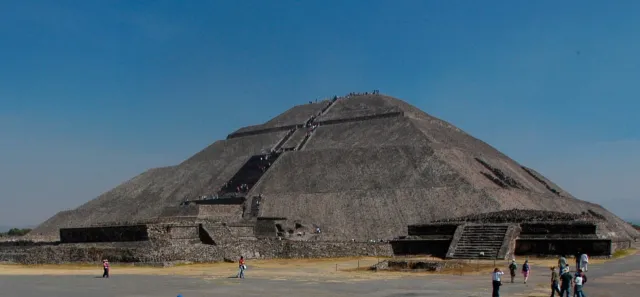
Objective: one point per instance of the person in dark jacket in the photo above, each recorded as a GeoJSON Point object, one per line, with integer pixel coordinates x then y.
{"type": "Point", "coordinates": [513, 267]}
{"type": "Point", "coordinates": [555, 282]}
{"type": "Point", "coordinates": [566, 280]}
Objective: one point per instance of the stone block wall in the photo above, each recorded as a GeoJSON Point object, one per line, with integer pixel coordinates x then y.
{"type": "Point", "coordinates": [176, 250]}
{"type": "Point", "coordinates": [432, 229]}
{"type": "Point", "coordinates": [620, 245]}
{"type": "Point", "coordinates": [508, 248]}
{"type": "Point", "coordinates": [265, 228]}
{"type": "Point", "coordinates": [242, 231]}
{"type": "Point", "coordinates": [173, 231]}
{"type": "Point", "coordinates": [220, 211]}
{"type": "Point", "coordinates": [104, 234]}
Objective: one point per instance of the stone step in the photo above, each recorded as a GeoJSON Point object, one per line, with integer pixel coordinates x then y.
{"type": "Point", "coordinates": [473, 248]}
{"type": "Point", "coordinates": [480, 241]}
{"type": "Point", "coordinates": [482, 232]}
{"type": "Point", "coordinates": [479, 249]}
{"type": "Point", "coordinates": [478, 246]}
{"type": "Point", "coordinates": [470, 257]}
{"type": "Point", "coordinates": [474, 241]}
{"type": "Point", "coordinates": [472, 254]}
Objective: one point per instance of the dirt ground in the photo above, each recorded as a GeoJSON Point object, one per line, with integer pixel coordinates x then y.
{"type": "Point", "coordinates": [351, 268]}
{"type": "Point", "coordinates": [305, 277]}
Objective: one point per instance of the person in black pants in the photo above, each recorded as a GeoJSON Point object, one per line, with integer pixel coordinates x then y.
{"type": "Point", "coordinates": [497, 274]}
{"type": "Point", "coordinates": [105, 266]}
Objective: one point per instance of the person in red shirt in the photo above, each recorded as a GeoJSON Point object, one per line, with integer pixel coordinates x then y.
{"type": "Point", "coordinates": [105, 266]}
{"type": "Point", "coordinates": [242, 267]}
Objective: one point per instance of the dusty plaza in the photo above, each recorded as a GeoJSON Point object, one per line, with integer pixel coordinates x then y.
{"type": "Point", "coordinates": [616, 277]}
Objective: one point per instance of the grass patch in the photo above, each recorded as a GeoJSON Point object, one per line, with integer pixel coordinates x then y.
{"type": "Point", "coordinates": [623, 253]}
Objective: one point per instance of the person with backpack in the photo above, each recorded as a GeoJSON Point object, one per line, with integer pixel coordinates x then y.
{"type": "Point", "coordinates": [526, 270]}
{"type": "Point", "coordinates": [513, 267]}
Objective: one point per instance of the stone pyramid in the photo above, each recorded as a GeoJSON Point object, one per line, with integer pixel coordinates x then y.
{"type": "Point", "coordinates": [363, 167]}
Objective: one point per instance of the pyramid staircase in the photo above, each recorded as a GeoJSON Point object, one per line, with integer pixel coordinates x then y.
{"type": "Point", "coordinates": [249, 174]}
{"type": "Point", "coordinates": [480, 242]}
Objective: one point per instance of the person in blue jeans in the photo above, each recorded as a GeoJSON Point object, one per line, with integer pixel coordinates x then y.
{"type": "Point", "coordinates": [579, 281]}
{"type": "Point", "coordinates": [566, 281]}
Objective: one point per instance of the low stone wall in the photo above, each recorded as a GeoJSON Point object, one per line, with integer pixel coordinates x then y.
{"type": "Point", "coordinates": [566, 246]}
{"type": "Point", "coordinates": [176, 250]}
{"type": "Point", "coordinates": [435, 248]}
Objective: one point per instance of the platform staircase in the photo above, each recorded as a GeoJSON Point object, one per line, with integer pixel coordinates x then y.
{"type": "Point", "coordinates": [480, 242]}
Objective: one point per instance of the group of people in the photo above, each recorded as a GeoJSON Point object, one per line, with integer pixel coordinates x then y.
{"type": "Point", "coordinates": [562, 280]}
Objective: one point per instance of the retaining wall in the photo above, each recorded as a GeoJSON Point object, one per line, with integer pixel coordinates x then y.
{"type": "Point", "coordinates": [153, 252]}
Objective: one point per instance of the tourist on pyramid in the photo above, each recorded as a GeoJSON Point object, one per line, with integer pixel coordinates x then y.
{"type": "Point", "coordinates": [513, 267]}
{"type": "Point", "coordinates": [497, 282]}
{"type": "Point", "coordinates": [106, 268]}
{"type": "Point", "coordinates": [526, 269]}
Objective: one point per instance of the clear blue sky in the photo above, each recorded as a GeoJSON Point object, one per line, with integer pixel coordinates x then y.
{"type": "Point", "coordinates": [95, 92]}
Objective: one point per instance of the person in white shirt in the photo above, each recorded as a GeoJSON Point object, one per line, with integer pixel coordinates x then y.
{"type": "Point", "coordinates": [584, 262]}
{"type": "Point", "coordinates": [578, 281]}
{"type": "Point", "coordinates": [497, 282]}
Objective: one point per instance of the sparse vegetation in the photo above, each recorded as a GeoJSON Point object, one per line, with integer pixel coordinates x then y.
{"type": "Point", "coordinates": [15, 232]}
{"type": "Point", "coordinates": [623, 253]}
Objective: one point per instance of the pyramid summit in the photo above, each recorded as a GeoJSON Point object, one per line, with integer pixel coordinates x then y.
{"type": "Point", "coordinates": [354, 168]}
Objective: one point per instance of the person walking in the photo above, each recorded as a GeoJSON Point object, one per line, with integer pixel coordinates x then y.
{"type": "Point", "coordinates": [106, 268]}
{"type": "Point", "coordinates": [579, 281]}
{"type": "Point", "coordinates": [513, 267]}
{"type": "Point", "coordinates": [526, 269]}
{"type": "Point", "coordinates": [562, 263]}
{"type": "Point", "coordinates": [497, 282]}
{"type": "Point", "coordinates": [584, 262]}
{"type": "Point", "coordinates": [242, 267]}
{"type": "Point", "coordinates": [555, 283]}
{"type": "Point", "coordinates": [566, 281]}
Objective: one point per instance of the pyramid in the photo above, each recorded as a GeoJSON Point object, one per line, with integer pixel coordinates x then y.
{"type": "Point", "coordinates": [363, 166]}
